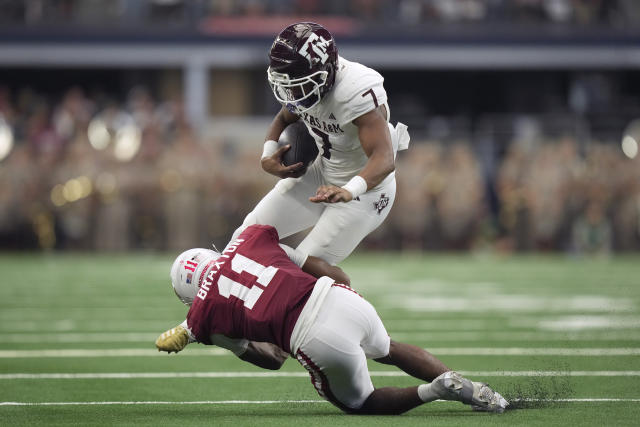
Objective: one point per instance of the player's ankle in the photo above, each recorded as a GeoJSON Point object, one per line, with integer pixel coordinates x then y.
{"type": "Point", "coordinates": [426, 393]}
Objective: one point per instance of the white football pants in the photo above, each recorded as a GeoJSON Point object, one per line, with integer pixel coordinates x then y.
{"type": "Point", "coordinates": [337, 227]}
{"type": "Point", "coordinates": [346, 333]}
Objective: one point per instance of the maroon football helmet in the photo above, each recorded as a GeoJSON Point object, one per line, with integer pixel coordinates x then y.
{"type": "Point", "coordinates": [302, 65]}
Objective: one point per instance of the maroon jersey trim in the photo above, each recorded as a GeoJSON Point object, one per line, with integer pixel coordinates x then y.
{"type": "Point", "coordinates": [320, 381]}
{"type": "Point", "coordinates": [349, 288]}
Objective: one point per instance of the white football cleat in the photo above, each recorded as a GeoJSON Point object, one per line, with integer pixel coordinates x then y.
{"type": "Point", "coordinates": [487, 400]}
{"type": "Point", "coordinates": [453, 386]}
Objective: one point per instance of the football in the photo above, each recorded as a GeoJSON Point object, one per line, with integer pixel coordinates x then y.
{"type": "Point", "coordinates": [303, 146]}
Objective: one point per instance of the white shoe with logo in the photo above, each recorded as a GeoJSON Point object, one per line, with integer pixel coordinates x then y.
{"type": "Point", "coordinates": [453, 386]}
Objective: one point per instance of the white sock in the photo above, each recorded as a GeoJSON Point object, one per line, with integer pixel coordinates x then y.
{"type": "Point", "coordinates": [426, 394]}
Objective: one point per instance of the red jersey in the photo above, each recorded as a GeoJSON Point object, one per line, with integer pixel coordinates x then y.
{"type": "Point", "coordinates": [253, 291]}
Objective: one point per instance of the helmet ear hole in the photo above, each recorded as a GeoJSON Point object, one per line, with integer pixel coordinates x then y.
{"type": "Point", "coordinates": [331, 78]}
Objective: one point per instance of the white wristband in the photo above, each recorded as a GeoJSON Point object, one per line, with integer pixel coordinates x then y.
{"type": "Point", "coordinates": [192, 338]}
{"type": "Point", "coordinates": [356, 186]}
{"type": "Point", "coordinates": [270, 147]}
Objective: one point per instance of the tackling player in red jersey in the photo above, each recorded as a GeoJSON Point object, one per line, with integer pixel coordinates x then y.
{"type": "Point", "coordinates": [265, 301]}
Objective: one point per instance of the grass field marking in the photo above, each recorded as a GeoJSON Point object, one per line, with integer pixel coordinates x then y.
{"type": "Point", "coordinates": [73, 325]}
{"type": "Point", "coordinates": [138, 375]}
{"type": "Point", "coordinates": [487, 335]}
{"type": "Point", "coordinates": [79, 337]}
{"type": "Point", "coordinates": [551, 373]}
{"type": "Point", "coordinates": [113, 352]}
{"type": "Point", "coordinates": [503, 303]}
{"type": "Point", "coordinates": [452, 336]}
{"type": "Point", "coordinates": [524, 351]}
{"type": "Point", "coordinates": [585, 399]}
{"type": "Point", "coordinates": [162, 402]}
{"type": "Point", "coordinates": [587, 322]}
{"type": "Point", "coordinates": [449, 351]}
{"type": "Point", "coordinates": [271, 402]}
{"type": "Point", "coordinates": [164, 375]}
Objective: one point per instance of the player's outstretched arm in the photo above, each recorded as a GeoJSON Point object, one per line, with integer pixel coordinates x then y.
{"type": "Point", "coordinates": [271, 160]}
{"type": "Point", "coordinates": [264, 355]}
{"type": "Point", "coordinates": [317, 267]}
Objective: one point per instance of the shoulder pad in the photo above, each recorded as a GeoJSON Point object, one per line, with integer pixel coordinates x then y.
{"type": "Point", "coordinates": [356, 80]}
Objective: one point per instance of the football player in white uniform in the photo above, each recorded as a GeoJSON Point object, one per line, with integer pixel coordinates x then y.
{"type": "Point", "coordinates": [349, 190]}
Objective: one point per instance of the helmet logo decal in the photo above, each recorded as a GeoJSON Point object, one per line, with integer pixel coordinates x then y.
{"type": "Point", "coordinates": [191, 266]}
{"type": "Point", "coordinates": [314, 49]}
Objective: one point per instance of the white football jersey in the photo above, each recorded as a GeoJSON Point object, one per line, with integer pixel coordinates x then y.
{"type": "Point", "coordinates": [356, 91]}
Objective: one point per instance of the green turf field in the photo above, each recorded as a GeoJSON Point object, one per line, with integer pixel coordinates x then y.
{"type": "Point", "coordinates": [77, 333]}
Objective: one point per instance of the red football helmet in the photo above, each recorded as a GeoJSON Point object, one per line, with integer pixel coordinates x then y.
{"type": "Point", "coordinates": [302, 68]}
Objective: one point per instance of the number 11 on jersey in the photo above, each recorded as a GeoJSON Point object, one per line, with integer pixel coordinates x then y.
{"type": "Point", "coordinates": [250, 295]}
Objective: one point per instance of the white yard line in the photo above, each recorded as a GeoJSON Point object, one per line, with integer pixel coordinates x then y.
{"type": "Point", "coordinates": [452, 336]}
{"type": "Point", "coordinates": [110, 352]}
{"type": "Point", "coordinates": [525, 351]}
{"type": "Point", "coordinates": [79, 337]}
{"type": "Point", "coordinates": [586, 399]}
{"type": "Point", "coordinates": [263, 402]}
{"type": "Point", "coordinates": [164, 375]}
{"type": "Point", "coordinates": [495, 301]}
{"type": "Point", "coordinates": [161, 402]}
{"type": "Point", "coordinates": [136, 375]}
{"type": "Point", "coordinates": [216, 351]}
{"type": "Point", "coordinates": [551, 373]}
{"type": "Point", "coordinates": [512, 336]}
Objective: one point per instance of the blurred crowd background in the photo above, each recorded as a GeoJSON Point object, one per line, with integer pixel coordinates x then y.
{"type": "Point", "coordinates": [401, 12]}
{"type": "Point", "coordinates": [109, 157]}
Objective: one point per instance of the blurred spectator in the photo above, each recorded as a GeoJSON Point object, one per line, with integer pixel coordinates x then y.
{"type": "Point", "coordinates": [113, 210]}
{"type": "Point", "coordinates": [420, 181]}
{"type": "Point", "coordinates": [18, 192]}
{"type": "Point", "coordinates": [625, 209]}
{"type": "Point", "coordinates": [145, 193]}
{"type": "Point", "coordinates": [182, 14]}
{"type": "Point", "coordinates": [514, 215]}
{"type": "Point", "coordinates": [591, 232]}
{"type": "Point", "coordinates": [184, 170]}
{"type": "Point", "coordinates": [74, 175]}
{"type": "Point", "coordinates": [548, 183]}
{"type": "Point", "coordinates": [460, 203]}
